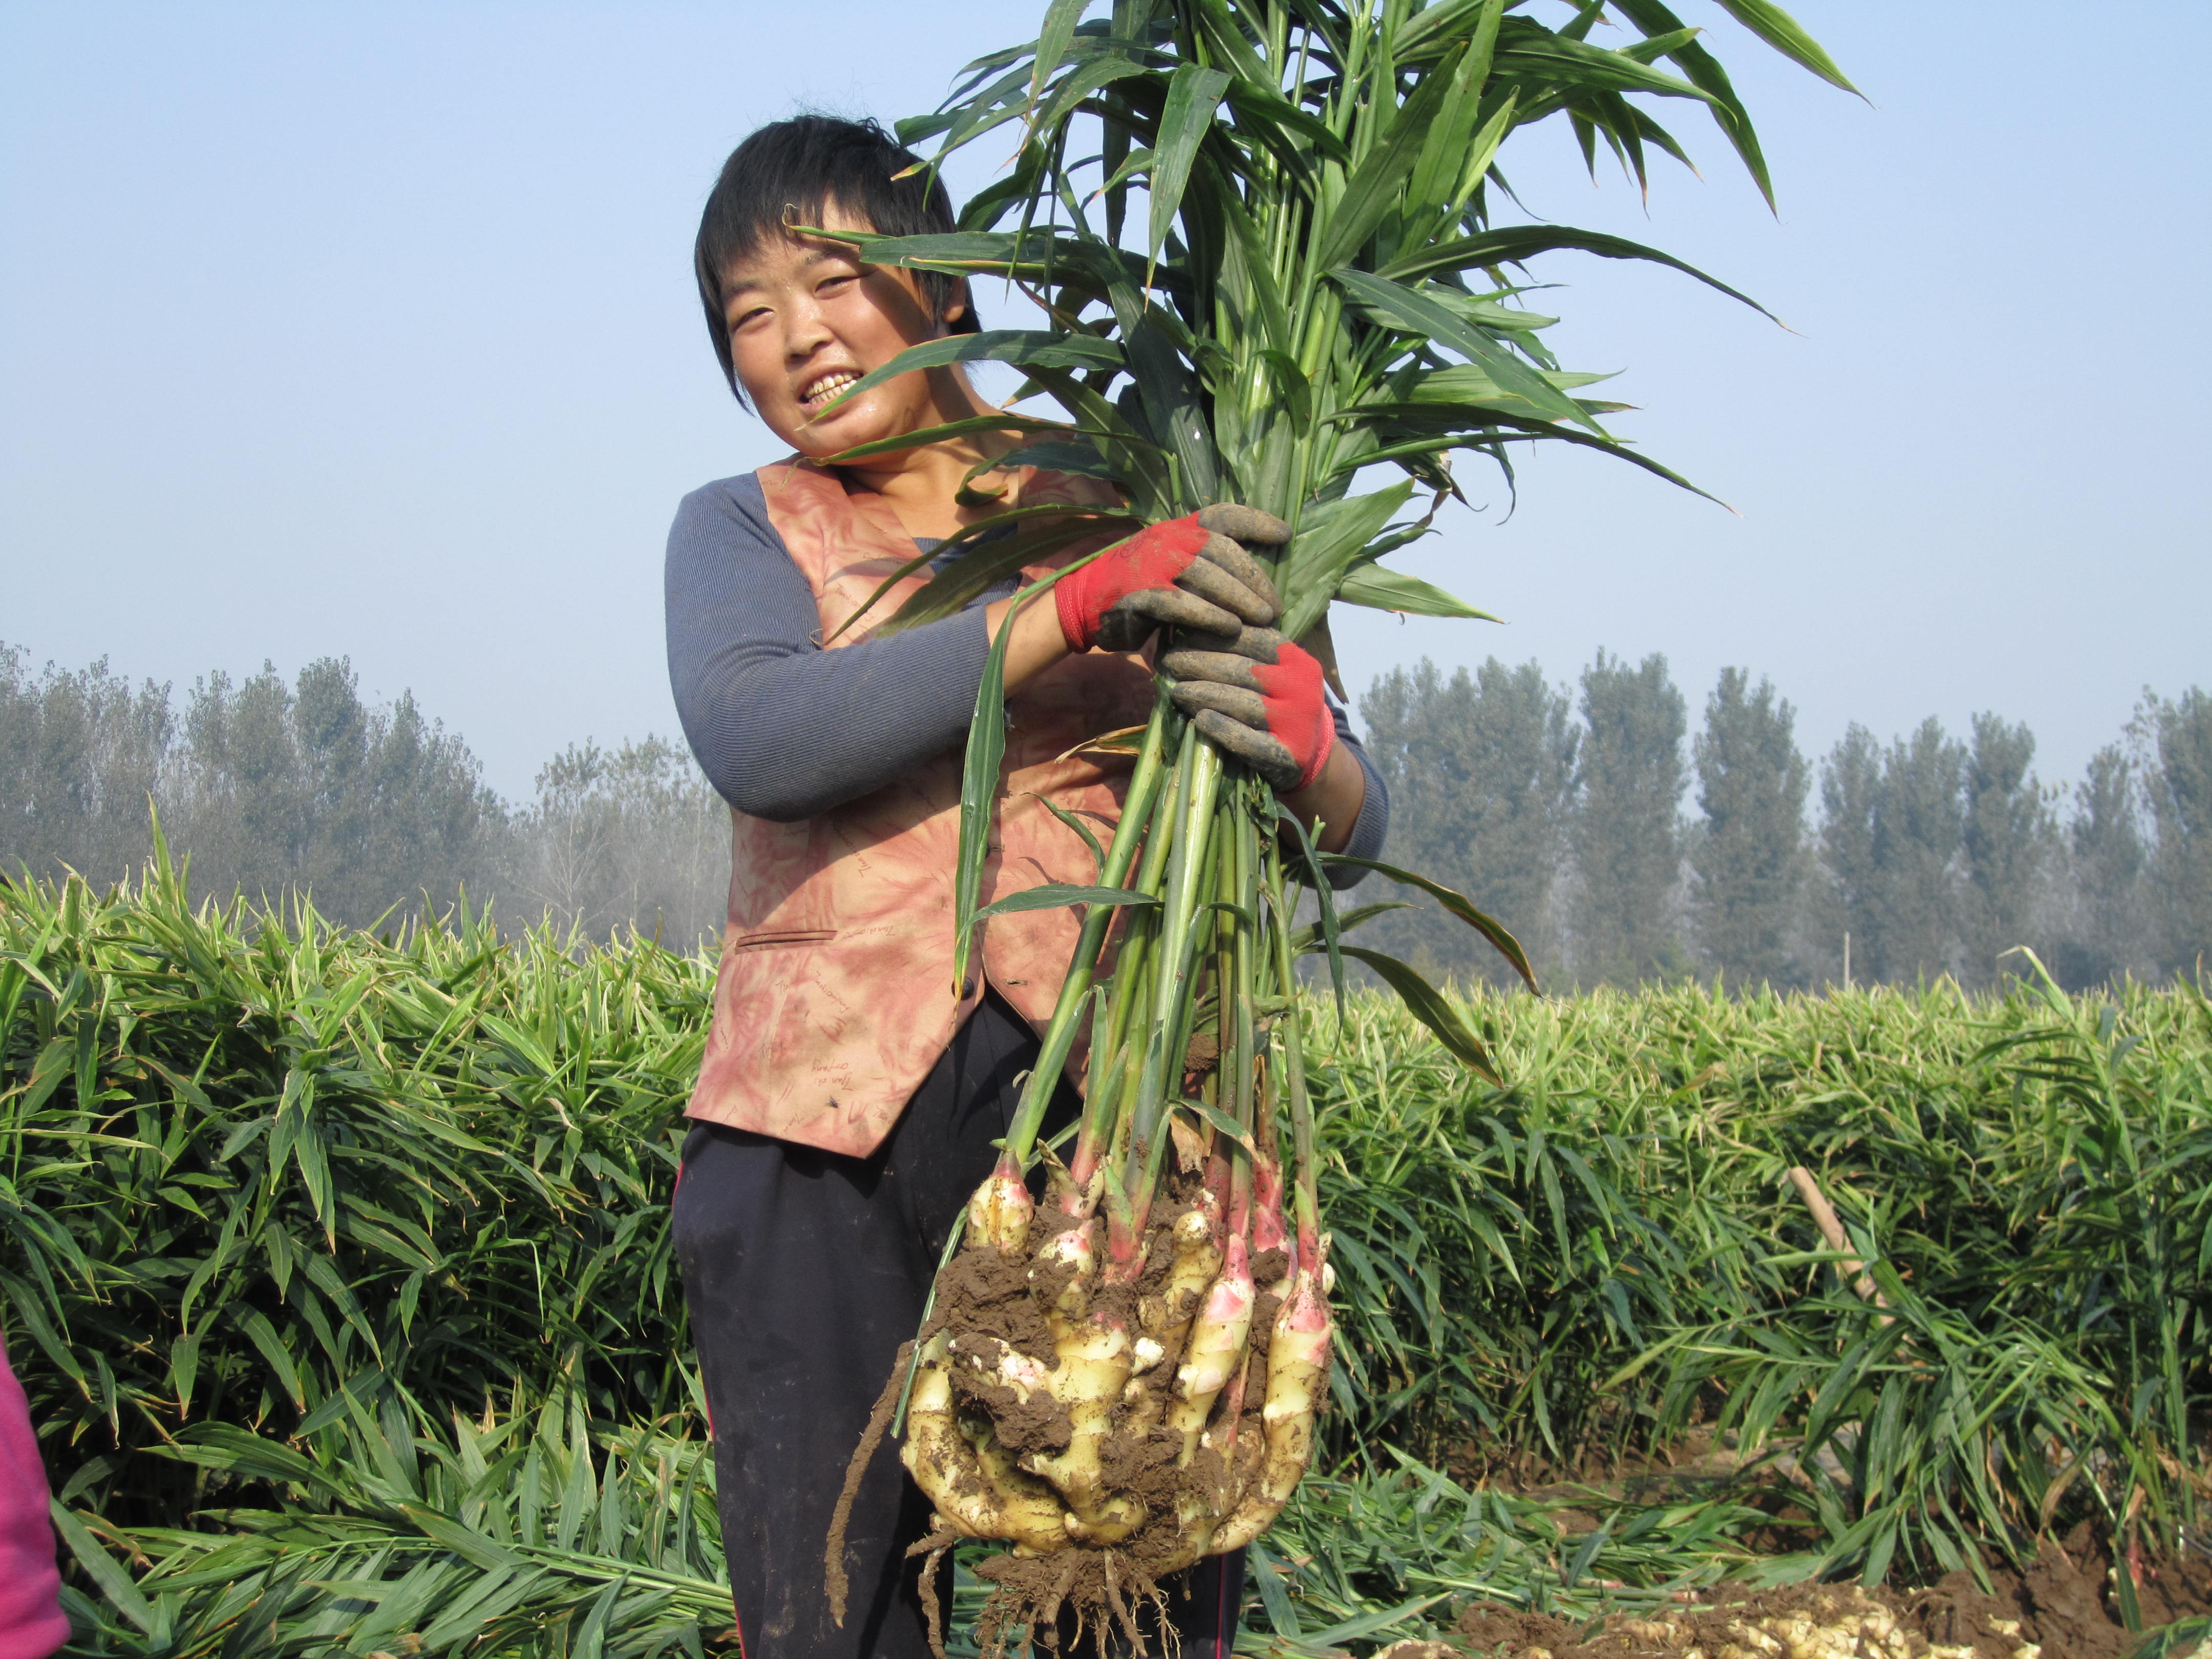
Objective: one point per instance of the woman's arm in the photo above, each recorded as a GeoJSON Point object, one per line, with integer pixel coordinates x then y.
{"type": "Point", "coordinates": [783, 729]}
{"type": "Point", "coordinates": [1335, 798]}
{"type": "Point", "coordinates": [1351, 801]}
{"type": "Point", "coordinates": [1038, 640]}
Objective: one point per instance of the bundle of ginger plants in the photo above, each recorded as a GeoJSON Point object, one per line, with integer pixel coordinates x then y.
{"type": "Point", "coordinates": [1122, 1377]}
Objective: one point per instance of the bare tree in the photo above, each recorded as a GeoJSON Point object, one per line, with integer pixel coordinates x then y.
{"type": "Point", "coordinates": [633, 840]}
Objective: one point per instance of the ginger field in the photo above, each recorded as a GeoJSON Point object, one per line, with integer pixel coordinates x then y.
{"type": "Point", "coordinates": [337, 1268]}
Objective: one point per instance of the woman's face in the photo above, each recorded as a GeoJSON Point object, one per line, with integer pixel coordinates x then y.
{"type": "Point", "coordinates": [806, 319]}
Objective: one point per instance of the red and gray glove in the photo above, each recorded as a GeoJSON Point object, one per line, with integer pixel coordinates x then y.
{"type": "Point", "coordinates": [1258, 697]}
{"type": "Point", "coordinates": [1183, 573]}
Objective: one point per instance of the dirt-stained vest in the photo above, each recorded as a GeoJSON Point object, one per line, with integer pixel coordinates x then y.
{"type": "Point", "coordinates": [835, 994]}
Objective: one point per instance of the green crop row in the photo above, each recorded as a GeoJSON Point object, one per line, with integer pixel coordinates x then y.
{"type": "Point", "coordinates": [337, 1269]}
{"type": "Point", "coordinates": [1610, 1252]}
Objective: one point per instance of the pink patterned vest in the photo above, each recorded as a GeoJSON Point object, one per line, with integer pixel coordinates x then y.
{"type": "Point", "coordinates": [835, 994]}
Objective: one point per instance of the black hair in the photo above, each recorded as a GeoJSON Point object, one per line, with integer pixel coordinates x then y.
{"type": "Point", "coordinates": [788, 172]}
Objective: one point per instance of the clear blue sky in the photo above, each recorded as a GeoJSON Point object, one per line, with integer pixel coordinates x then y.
{"type": "Point", "coordinates": [369, 329]}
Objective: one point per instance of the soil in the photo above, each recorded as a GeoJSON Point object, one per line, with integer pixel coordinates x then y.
{"type": "Point", "coordinates": [1038, 1423]}
{"type": "Point", "coordinates": [987, 1294]}
{"type": "Point", "coordinates": [2062, 1606]}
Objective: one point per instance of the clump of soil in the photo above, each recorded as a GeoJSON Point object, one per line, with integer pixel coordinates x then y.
{"type": "Point", "coordinates": [2063, 1607]}
{"type": "Point", "coordinates": [987, 1294]}
{"type": "Point", "coordinates": [2067, 1603]}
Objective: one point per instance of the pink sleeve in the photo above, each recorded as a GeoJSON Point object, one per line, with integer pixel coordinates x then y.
{"type": "Point", "coordinates": [32, 1622]}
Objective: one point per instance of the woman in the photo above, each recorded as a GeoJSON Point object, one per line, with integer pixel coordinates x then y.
{"type": "Point", "coordinates": [850, 1093]}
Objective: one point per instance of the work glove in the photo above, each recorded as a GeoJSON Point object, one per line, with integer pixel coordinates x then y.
{"type": "Point", "coordinates": [1258, 697]}
{"type": "Point", "coordinates": [1185, 573]}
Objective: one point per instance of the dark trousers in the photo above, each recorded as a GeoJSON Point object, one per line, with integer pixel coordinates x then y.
{"type": "Point", "coordinates": [803, 1272]}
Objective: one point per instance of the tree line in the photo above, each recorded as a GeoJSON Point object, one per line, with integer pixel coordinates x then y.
{"type": "Point", "coordinates": [273, 787]}
{"type": "Point", "coordinates": [1559, 810]}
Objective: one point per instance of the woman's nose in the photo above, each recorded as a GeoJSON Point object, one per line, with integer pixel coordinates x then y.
{"type": "Point", "coordinates": [804, 329]}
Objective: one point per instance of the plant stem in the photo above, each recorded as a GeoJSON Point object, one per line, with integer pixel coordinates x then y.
{"type": "Point", "coordinates": [1172, 1001]}
{"type": "Point", "coordinates": [1238, 989]}
{"type": "Point", "coordinates": [1060, 1034]}
{"type": "Point", "coordinates": [1294, 1065]}
{"type": "Point", "coordinates": [1101, 1133]}
{"type": "Point", "coordinates": [1173, 1044]}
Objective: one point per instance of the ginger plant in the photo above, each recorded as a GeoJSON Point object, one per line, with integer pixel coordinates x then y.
{"type": "Point", "coordinates": [1262, 235]}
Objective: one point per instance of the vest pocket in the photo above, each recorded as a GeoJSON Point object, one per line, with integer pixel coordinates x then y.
{"type": "Point", "coordinates": [769, 941]}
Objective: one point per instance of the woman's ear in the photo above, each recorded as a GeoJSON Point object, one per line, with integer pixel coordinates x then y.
{"type": "Point", "coordinates": [954, 308]}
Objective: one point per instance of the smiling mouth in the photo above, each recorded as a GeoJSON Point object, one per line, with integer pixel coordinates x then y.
{"type": "Point", "coordinates": [820, 392]}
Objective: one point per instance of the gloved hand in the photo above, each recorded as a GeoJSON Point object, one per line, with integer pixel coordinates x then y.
{"type": "Point", "coordinates": [1258, 697]}
{"type": "Point", "coordinates": [1185, 573]}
